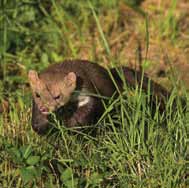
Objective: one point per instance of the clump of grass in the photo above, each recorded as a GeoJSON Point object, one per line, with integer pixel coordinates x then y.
{"type": "Point", "coordinates": [169, 25]}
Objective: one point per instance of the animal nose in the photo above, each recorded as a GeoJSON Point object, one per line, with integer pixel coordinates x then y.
{"type": "Point", "coordinates": [57, 97]}
{"type": "Point", "coordinates": [43, 108]}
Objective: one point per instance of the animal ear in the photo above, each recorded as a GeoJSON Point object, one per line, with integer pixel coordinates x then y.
{"type": "Point", "coordinates": [33, 76]}
{"type": "Point", "coordinates": [70, 79]}
{"type": "Point", "coordinates": [35, 82]}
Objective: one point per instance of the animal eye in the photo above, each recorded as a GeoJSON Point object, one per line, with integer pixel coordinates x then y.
{"type": "Point", "coordinates": [37, 95]}
{"type": "Point", "coordinates": [57, 97]}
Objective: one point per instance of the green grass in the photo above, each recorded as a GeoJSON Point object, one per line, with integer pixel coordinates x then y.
{"type": "Point", "coordinates": [129, 147]}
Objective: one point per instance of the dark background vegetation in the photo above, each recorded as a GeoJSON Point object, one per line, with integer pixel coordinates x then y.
{"type": "Point", "coordinates": [152, 34]}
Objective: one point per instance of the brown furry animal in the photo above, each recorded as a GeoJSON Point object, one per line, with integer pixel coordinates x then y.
{"type": "Point", "coordinates": [71, 88]}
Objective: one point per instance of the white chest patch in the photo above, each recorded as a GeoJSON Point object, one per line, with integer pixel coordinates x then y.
{"type": "Point", "coordinates": [83, 100]}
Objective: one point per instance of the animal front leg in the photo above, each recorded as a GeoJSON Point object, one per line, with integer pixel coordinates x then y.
{"type": "Point", "coordinates": [86, 114]}
{"type": "Point", "coordinates": [40, 122]}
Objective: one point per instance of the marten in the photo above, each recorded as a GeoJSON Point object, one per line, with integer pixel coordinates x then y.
{"type": "Point", "coordinates": [73, 89]}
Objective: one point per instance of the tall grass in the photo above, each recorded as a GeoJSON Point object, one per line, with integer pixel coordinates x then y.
{"type": "Point", "coordinates": [129, 147]}
{"type": "Point", "coordinates": [169, 25]}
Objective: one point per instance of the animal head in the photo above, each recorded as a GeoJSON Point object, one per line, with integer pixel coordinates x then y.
{"type": "Point", "coordinates": [49, 93]}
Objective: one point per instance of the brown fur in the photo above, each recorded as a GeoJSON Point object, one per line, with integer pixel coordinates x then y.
{"type": "Point", "coordinates": [90, 78]}
{"type": "Point", "coordinates": [70, 79]}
